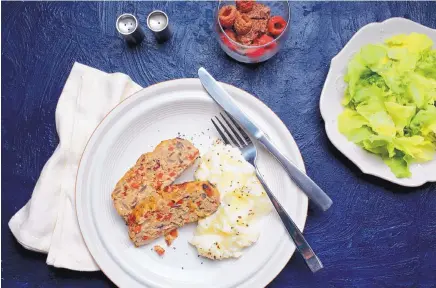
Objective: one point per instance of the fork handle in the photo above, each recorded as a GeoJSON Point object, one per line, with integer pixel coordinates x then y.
{"type": "Point", "coordinates": [313, 191]}
{"type": "Point", "coordinates": [303, 247]}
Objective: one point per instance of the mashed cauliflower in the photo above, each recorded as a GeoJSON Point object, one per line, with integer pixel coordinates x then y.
{"type": "Point", "coordinates": [235, 224]}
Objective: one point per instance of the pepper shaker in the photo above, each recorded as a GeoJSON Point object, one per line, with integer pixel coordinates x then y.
{"type": "Point", "coordinates": [128, 27]}
{"type": "Point", "coordinates": [157, 21]}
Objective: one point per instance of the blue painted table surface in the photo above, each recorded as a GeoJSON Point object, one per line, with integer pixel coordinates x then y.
{"type": "Point", "coordinates": [375, 235]}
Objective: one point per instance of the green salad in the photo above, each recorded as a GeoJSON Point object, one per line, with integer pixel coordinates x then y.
{"type": "Point", "coordinates": [390, 101]}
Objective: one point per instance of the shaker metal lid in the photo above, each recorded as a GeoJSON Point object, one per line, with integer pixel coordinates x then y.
{"type": "Point", "coordinates": [157, 21]}
{"type": "Point", "coordinates": [126, 24]}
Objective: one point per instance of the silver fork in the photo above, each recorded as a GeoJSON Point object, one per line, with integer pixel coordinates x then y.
{"type": "Point", "coordinates": [238, 138]}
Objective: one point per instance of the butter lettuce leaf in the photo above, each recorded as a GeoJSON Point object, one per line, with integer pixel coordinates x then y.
{"type": "Point", "coordinates": [414, 42]}
{"type": "Point", "coordinates": [399, 166]}
{"type": "Point", "coordinates": [401, 115]}
{"type": "Point", "coordinates": [421, 90]}
{"type": "Point", "coordinates": [390, 101]}
{"type": "Point", "coordinates": [381, 145]}
{"type": "Point", "coordinates": [426, 66]}
{"type": "Point", "coordinates": [379, 120]}
{"type": "Point", "coordinates": [356, 68]}
{"type": "Point", "coordinates": [424, 122]}
{"type": "Point", "coordinates": [354, 126]}
{"type": "Point", "coordinates": [416, 147]}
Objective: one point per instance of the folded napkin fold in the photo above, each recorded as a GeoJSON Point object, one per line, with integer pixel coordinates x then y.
{"type": "Point", "coordinates": [48, 222]}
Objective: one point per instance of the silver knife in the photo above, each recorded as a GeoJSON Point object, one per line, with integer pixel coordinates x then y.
{"type": "Point", "coordinates": [313, 191]}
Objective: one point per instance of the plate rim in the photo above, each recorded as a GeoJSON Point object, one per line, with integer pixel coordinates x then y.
{"type": "Point", "coordinates": [299, 162]}
{"type": "Point", "coordinates": [325, 112]}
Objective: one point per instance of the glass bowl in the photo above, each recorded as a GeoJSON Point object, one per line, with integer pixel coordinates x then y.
{"type": "Point", "coordinates": [252, 53]}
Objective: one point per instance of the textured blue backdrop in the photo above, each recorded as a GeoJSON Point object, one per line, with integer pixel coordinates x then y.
{"type": "Point", "coordinates": [375, 235]}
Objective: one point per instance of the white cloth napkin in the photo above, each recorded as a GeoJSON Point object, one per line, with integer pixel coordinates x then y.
{"type": "Point", "coordinates": [48, 222]}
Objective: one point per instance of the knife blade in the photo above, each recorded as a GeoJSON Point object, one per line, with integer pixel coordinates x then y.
{"type": "Point", "coordinates": [222, 98]}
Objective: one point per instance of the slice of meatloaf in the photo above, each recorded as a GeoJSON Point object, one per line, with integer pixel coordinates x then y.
{"type": "Point", "coordinates": [171, 236]}
{"type": "Point", "coordinates": [151, 172]}
{"type": "Point", "coordinates": [170, 208]}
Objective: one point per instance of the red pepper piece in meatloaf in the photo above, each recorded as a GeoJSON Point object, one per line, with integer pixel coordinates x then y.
{"type": "Point", "coordinates": [159, 250]}
{"type": "Point", "coordinates": [171, 236]}
{"type": "Point", "coordinates": [176, 205]}
{"type": "Point", "coordinates": [153, 171]}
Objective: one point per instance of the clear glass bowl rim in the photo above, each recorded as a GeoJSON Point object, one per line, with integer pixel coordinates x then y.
{"type": "Point", "coordinates": [261, 46]}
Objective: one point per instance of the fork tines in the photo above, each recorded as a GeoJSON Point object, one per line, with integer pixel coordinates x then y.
{"type": "Point", "coordinates": [230, 131]}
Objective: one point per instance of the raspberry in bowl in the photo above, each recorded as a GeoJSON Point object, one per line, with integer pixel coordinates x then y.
{"type": "Point", "coordinates": [250, 31]}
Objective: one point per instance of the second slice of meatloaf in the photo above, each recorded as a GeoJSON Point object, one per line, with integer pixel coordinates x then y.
{"type": "Point", "coordinates": [151, 172]}
{"type": "Point", "coordinates": [168, 209]}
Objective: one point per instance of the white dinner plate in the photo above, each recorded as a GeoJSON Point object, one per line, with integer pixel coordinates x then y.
{"type": "Point", "coordinates": [333, 92]}
{"type": "Point", "coordinates": [162, 111]}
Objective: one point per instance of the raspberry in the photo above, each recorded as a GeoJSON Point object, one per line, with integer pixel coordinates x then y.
{"type": "Point", "coordinates": [243, 24]}
{"type": "Point", "coordinates": [255, 52]}
{"type": "Point", "coordinates": [276, 25]}
{"type": "Point", "coordinates": [227, 16]}
{"type": "Point", "coordinates": [244, 6]}
{"type": "Point", "coordinates": [262, 40]}
{"type": "Point", "coordinates": [231, 34]}
{"type": "Point", "coordinates": [265, 39]}
{"type": "Point", "coordinates": [226, 40]}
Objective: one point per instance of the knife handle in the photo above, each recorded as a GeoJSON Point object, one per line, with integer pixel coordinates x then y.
{"type": "Point", "coordinates": [313, 191]}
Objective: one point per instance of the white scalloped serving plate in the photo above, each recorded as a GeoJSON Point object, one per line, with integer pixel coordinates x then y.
{"type": "Point", "coordinates": [333, 91]}
{"type": "Point", "coordinates": [134, 127]}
